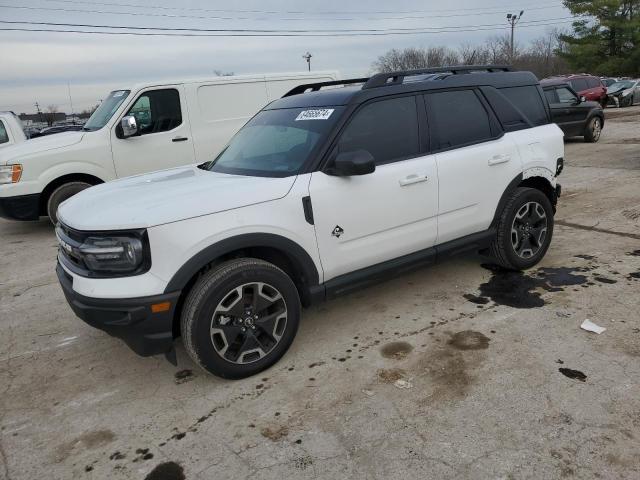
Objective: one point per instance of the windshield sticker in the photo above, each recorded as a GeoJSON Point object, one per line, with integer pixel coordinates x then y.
{"type": "Point", "coordinates": [319, 114]}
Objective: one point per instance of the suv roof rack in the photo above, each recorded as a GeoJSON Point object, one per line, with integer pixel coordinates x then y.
{"type": "Point", "coordinates": [314, 87]}
{"type": "Point", "coordinates": [395, 78]}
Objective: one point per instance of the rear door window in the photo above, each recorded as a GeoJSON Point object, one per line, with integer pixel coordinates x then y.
{"type": "Point", "coordinates": [4, 136]}
{"type": "Point", "coordinates": [157, 111]}
{"type": "Point", "coordinates": [551, 96]}
{"type": "Point", "coordinates": [457, 118]}
{"type": "Point", "coordinates": [527, 99]}
{"type": "Point", "coordinates": [387, 129]}
{"type": "Point", "coordinates": [579, 84]}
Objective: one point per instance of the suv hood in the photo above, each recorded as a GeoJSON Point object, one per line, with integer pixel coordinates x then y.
{"type": "Point", "coordinates": [39, 145]}
{"type": "Point", "coordinates": [167, 196]}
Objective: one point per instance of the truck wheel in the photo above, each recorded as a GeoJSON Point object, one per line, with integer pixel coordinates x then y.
{"type": "Point", "coordinates": [524, 230]}
{"type": "Point", "coordinates": [593, 130]}
{"type": "Point", "coordinates": [60, 194]}
{"type": "Point", "coordinates": [240, 318]}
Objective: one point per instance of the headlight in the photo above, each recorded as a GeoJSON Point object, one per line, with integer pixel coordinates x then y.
{"type": "Point", "coordinates": [109, 255]}
{"type": "Point", "coordinates": [10, 173]}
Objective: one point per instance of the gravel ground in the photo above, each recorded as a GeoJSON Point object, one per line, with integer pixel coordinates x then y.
{"type": "Point", "coordinates": [498, 379]}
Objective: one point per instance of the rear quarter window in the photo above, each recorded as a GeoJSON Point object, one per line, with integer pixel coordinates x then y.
{"type": "Point", "coordinates": [527, 99]}
{"type": "Point", "coordinates": [4, 136]}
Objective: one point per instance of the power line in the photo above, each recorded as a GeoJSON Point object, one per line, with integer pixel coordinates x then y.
{"type": "Point", "coordinates": [215, 17]}
{"type": "Point", "coordinates": [280, 34]}
{"type": "Point", "coordinates": [252, 30]}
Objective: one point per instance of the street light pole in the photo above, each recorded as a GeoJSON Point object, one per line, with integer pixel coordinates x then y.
{"type": "Point", "coordinates": [307, 56]}
{"type": "Point", "coordinates": [513, 19]}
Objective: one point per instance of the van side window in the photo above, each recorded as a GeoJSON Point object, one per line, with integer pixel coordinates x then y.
{"type": "Point", "coordinates": [579, 84]}
{"type": "Point", "coordinates": [529, 102]}
{"type": "Point", "coordinates": [593, 82]}
{"type": "Point", "coordinates": [4, 136]}
{"type": "Point", "coordinates": [462, 119]}
{"type": "Point", "coordinates": [387, 129]}
{"type": "Point", "coordinates": [157, 111]}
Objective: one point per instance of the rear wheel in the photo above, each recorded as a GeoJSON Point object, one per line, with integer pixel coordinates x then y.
{"type": "Point", "coordinates": [60, 194]}
{"type": "Point", "coordinates": [240, 318]}
{"type": "Point", "coordinates": [524, 230]}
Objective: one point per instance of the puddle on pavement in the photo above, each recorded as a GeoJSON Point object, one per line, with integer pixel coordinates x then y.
{"type": "Point", "coordinates": [396, 350]}
{"type": "Point", "coordinates": [469, 340]}
{"type": "Point", "coordinates": [573, 374]}
{"type": "Point", "coordinates": [635, 253]}
{"type": "Point", "coordinates": [183, 376]}
{"type": "Point", "coordinates": [520, 290]}
{"type": "Point", "coordinates": [605, 279]}
{"type": "Point", "coordinates": [166, 471]}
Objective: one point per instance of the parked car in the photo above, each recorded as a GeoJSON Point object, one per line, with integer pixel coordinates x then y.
{"type": "Point", "coordinates": [318, 194]}
{"type": "Point", "coordinates": [624, 93]}
{"type": "Point", "coordinates": [60, 129]}
{"type": "Point", "coordinates": [587, 86]}
{"type": "Point", "coordinates": [607, 82]}
{"type": "Point", "coordinates": [573, 114]}
{"type": "Point", "coordinates": [11, 131]}
{"type": "Point", "coordinates": [168, 124]}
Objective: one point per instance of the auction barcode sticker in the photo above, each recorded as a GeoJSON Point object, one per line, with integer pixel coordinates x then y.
{"type": "Point", "coordinates": [319, 114]}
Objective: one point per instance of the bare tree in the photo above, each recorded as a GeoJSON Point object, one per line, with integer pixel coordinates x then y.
{"type": "Point", "coordinates": [50, 114]}
{"type": "Point", "coordinates": [415, 58]}
{"type": "Point", "coordinates": [220, 73]}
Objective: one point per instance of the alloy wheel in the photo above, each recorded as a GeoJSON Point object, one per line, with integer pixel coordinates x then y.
{"type": "Point", "coordinates": [596, 129]}
{"type": "Point", "coordinates": [248, 322]}
{"type": "Point", "coordinates": [529, 229]}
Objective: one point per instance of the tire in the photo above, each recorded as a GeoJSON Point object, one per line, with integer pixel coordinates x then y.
{"type": "Point", "coordinates": [60, 194]}
{"type": "Point", "coordinates": [593, 130]}
{"type": "Point", "coordinates": [512, 252]}
{"type": "Point", "coordinates": [213, 320]}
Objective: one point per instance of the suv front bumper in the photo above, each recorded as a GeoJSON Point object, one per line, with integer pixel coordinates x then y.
{"type": "Point", "coordinates": [21, 207]}
{"type": "Point", "coordinates": [130, 319]}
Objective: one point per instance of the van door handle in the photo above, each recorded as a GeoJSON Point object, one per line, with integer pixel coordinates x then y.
{"type": "Point", "coordinates": [411, 179]}
{"type": "Point", "coordinates": [497, 159]}
{"type": "Point", "coordinates": [179, 139]}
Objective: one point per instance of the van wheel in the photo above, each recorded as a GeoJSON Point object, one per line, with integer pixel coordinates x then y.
{"type": "Point", "coordinates": [524, 230]}
{"type": "Point", "coordinates": [593, 130]}
{"type": "Point", "coordinates": [240, 318]}
{"type": "Point", "coordinates": [60, 194]}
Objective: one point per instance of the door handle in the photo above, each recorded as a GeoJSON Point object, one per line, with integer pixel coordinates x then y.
{"type": "Point", "coordinates": [497, 159]}
{"type": "Point", "coordinates": [411, 179]}
{"type": "Point", "coordinates": [179, 139]}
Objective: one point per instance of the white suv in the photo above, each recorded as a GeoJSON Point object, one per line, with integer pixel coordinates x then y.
{"type": "Point", "coordinates": [325, 190]}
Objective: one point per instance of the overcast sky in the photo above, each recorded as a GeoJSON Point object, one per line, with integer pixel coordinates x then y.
{"type": "Point", "coordinates": [36, 66]}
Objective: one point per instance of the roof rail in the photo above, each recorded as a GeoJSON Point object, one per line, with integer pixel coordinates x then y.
{"type": "Point", "coordinates": [314, 87]}
{"type": "Point", "coordinates": [394, 78]}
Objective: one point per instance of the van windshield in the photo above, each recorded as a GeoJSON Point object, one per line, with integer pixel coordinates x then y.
{"type": "Point", "coordinates": [276, 143]}
{"type": "Point", "coordinates": [106, 110]}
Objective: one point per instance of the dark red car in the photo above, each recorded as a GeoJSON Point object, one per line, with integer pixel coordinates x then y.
{"type": "Point", "coordinates": [587, 86]}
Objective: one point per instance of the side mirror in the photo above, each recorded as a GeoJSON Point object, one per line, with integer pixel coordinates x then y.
{"type": "Point", "coordinates": [129, 126]}
{"type": "Point", "coordinates": [582, 99]}
{"type": "Point", "coordinates": [358, 162]}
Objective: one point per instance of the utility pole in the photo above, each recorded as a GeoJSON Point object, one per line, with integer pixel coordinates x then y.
{"type": "Point", "coordinates": [513, 19]}
{"type": "Point", "coordinates": [38, 110]}
{"type": "Point", "coordinates": [307, 56]}
{"type": "Point", "coordinates": [70, 101]}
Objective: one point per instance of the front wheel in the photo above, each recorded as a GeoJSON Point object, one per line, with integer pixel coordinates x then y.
{"type": "Point", "coordinates": [60, 194]}
{"type": "Point", "coordinates": [240, 318]}
{"type": "Point", "coordinates": [593, 130]}
{"type": "Point", "coordinates": [524, 230]}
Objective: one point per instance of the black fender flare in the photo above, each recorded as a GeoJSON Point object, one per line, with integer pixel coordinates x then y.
{"type": "Point", "coordinates": [295, 253]}
{"type": "Point", "coordinates": [513, 184]}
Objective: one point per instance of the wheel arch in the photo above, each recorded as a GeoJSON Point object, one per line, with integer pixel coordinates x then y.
{"type": "Point", "coordinates": [281, 251]}
{"type": "Point", "coordinates": [68, 178]}
{"type": "Point", "coordinates": [529, 179]}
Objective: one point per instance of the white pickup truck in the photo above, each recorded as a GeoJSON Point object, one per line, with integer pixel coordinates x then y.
{"type": "Point", "coordinates": [137, 129]}
{"type": "Point", "coordinates": [10, 129]}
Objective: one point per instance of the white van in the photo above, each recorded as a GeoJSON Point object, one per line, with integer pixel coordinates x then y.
{"type": "Point", "coordinates": [166, 124]}
{"type": "Point", "coordinates": [10, 129]}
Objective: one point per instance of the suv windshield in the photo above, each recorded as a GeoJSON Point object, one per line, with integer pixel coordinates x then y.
{"type": "Point", "coordinates": [106, 110]}
{"type": "Point", "coordinates": [276, 143]}
{"type": "Point", "coordinates": [622, 85]}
